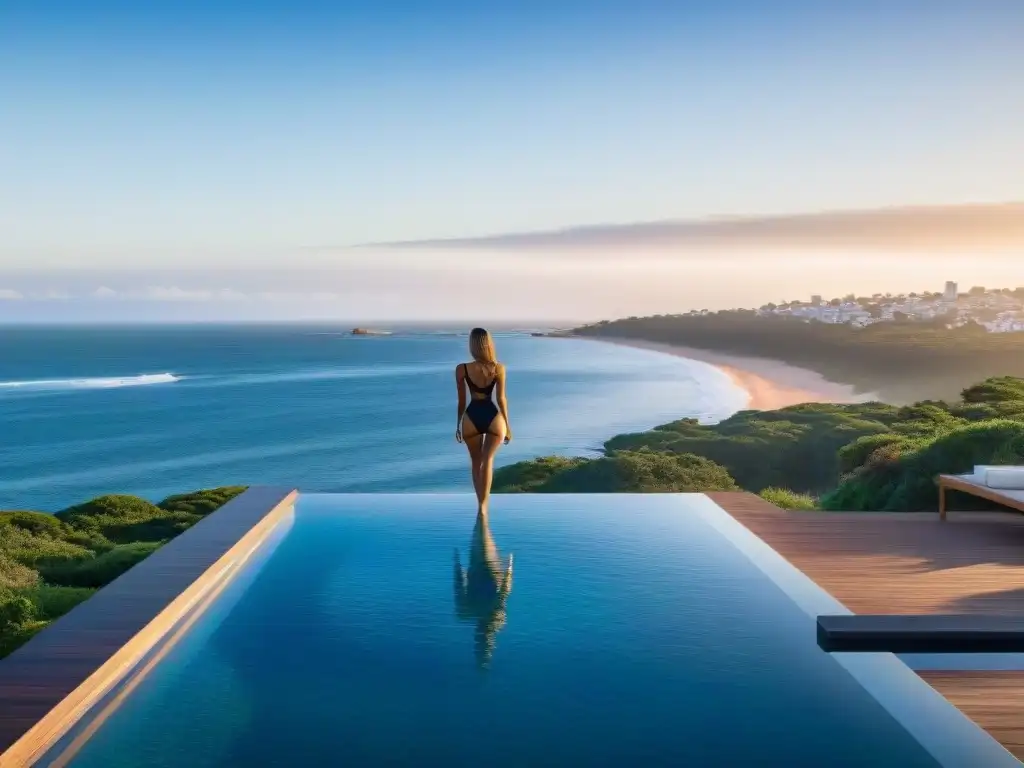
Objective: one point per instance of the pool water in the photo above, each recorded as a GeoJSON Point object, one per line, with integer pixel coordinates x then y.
{"type": "Point", "coordinates": [569, 630]}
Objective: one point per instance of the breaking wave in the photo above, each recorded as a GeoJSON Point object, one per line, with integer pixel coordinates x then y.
{"type": "Point", "coordinates": [56, 385]}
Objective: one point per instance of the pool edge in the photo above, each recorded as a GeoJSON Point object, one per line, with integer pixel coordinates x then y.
{"type": "Point", "coordinates": [960, 742]}
{"type": "Point", "coordinates": [211, 547]}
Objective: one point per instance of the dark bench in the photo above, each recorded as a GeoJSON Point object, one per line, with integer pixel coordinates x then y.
{"type": "Point", "coordinates": [921, 634]}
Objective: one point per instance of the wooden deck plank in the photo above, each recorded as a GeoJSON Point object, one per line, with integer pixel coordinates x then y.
{"type": "Point", "coordinates": [913, 563]}
{"type": "Point", "coordinates": [898, 562]}
{"type": "Point", "coordinates": [45, 683]}
{"type": "Point", "coordinates": [993, 700]}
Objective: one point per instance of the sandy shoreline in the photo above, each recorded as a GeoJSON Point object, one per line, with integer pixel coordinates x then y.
{"type": "Point", "coordinates": [769, 384]}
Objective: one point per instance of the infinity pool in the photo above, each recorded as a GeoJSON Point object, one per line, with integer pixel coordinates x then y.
{"type": "Point", "coordinates": [567, 630]}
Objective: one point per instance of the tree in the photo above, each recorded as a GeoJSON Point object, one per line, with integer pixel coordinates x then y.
{"type": "Point", "coordinates": [834, 303]}
{"type": "Point", "coordinates": [15, 610]}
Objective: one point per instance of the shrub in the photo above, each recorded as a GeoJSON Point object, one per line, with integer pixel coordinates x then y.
{"type": "Point", "coordinates": [35, 523]}
{"type": "Point", "coordinates": [526, 476]}
{"type": "Point", "coordinates": [14, 575]}
{"type": "Point", "coordinates": [855, 454]}
{"type": "Point", "coordinates": [100, 570]}
{"type": "Point", "coordinates": [859, 457]}
{"type": "Point", "coordinates": [92, 540]}
{"type": "Point", "coordinates": [201, 503]}
{"type": "Point", "coordinates": [901, 477]}
{"type": "Point", "coordinates": [125, 519]}
{"type": "Point", "coordinates": [23, 546]}
{"type": "Point", "coordinates": [154, 530]}
{"type": "Point", "coordinates": [53, 601]}
{"type": "Point", "coordinates": [81, 549]}
{"type": "Point", "coordinates": [112, 507]}
{"type": "Point", "coordinates": [641, 472]}
{"type": "Point", "coordinates": [787, 499]}
{"type": "Point", "coordinates": [15, 610]}
{"type": "Point", "coordinates": [995, 390]}
{"type": "Point", "coordinates": [121, 519]}
{"type": "Point", "coordinates": [791, 447]}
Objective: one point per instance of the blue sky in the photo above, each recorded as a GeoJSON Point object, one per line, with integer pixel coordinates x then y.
{"type": "Point", "coordinates": [253, 135]}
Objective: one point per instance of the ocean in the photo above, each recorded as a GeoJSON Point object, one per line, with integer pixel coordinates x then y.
{"type": "Point", "coordinates": [166, 409]}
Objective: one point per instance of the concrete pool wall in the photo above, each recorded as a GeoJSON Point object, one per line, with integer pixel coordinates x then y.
{"type": "Point", "coordinates": [51, 682]}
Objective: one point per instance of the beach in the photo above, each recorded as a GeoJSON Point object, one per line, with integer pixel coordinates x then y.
{"type": "Point", "coordinates": [769, 384]}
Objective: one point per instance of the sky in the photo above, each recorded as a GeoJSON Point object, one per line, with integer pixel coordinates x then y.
{"type": "Point", "coordinates": [193, 152]}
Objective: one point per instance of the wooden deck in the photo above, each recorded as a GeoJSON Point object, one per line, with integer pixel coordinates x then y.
{"type": "Point", "coordinates": [914, 563]}
{"type": "Point", "coordinates": [48, 683]}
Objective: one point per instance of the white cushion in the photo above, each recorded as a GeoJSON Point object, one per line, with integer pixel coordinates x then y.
{"type": "Point", "coordinates": [1009, 478]}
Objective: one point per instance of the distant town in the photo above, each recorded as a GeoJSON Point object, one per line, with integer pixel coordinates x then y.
{"type": "Point", "coordinates": [996, 310]}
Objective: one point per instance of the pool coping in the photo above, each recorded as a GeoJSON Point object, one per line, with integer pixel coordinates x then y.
{"type": "Point", "coordinates": [892, 682]}
{"type": "Point", "coordinates": [52, 681]}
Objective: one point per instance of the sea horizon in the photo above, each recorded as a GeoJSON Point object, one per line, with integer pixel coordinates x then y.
{"type": "Point", "coordinates": [401, 325]}
{"type": "Point", "coordinates": [156, 410]}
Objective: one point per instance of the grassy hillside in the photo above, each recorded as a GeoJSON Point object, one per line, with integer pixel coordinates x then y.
{"type": "Point", "coordinates": [869, 456]}
{"type": "Point", "coordinates": [51, 563]}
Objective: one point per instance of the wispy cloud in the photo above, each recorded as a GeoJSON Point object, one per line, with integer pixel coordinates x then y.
{"type": "Point", "coordinates": [167, 293]}
{"type": "Point", "coordinates": [49, 295]}
{"type": "Point", "coordinates": [174, 293]}
{"type": "Point", "coordinates": [317, 296]}
{"type": "Point", "coordinates": [993, 227]}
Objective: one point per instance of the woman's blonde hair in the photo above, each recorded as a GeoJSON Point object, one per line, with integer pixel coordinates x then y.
{"type": "Point", "coordinates": [481, 347]}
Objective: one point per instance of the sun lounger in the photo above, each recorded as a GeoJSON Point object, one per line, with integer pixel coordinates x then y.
{"type": "Point", "coordinates": [979, 483]}
{"type": "Point", "coordinates": [921, 634]}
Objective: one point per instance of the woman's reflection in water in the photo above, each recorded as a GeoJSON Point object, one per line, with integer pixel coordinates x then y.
{"type": "Point", "coordinates": [482, 589]}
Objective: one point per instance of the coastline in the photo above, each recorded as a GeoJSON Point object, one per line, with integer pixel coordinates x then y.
{"type": "Point", "coordinates": [769, 384]}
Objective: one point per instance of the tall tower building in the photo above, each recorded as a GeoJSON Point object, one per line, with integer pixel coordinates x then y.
{"type": "Point", "coordinates": [951, 291]}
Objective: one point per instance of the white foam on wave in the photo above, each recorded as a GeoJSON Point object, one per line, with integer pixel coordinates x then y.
{"type": "Point", "coordinates": [91, 383]}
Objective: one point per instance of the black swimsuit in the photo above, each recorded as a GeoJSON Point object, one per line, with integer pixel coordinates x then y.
{"type": "Point", "coordinates": [481, 409]}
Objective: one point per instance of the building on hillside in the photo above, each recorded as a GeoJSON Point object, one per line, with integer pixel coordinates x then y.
{"type": "Point", "coordinates": [950, 293]}
{"type": "Point", "coordinates": [1006, 322]}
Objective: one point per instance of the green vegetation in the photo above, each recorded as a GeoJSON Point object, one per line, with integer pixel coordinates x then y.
{"type": "Point", "coordinates": [868, 456]}
{"type": "Point", "coordinates": [787, 499]}
{"type": "Point", "coordinates": [51, 563]}
{"type": "Point", "coordinates": [902, 361]}
{"type": "Point", "coordinates": [643, 471]}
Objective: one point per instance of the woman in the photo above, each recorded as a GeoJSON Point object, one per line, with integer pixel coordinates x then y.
{"type": "Point", "coordinates": [482, 425]}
